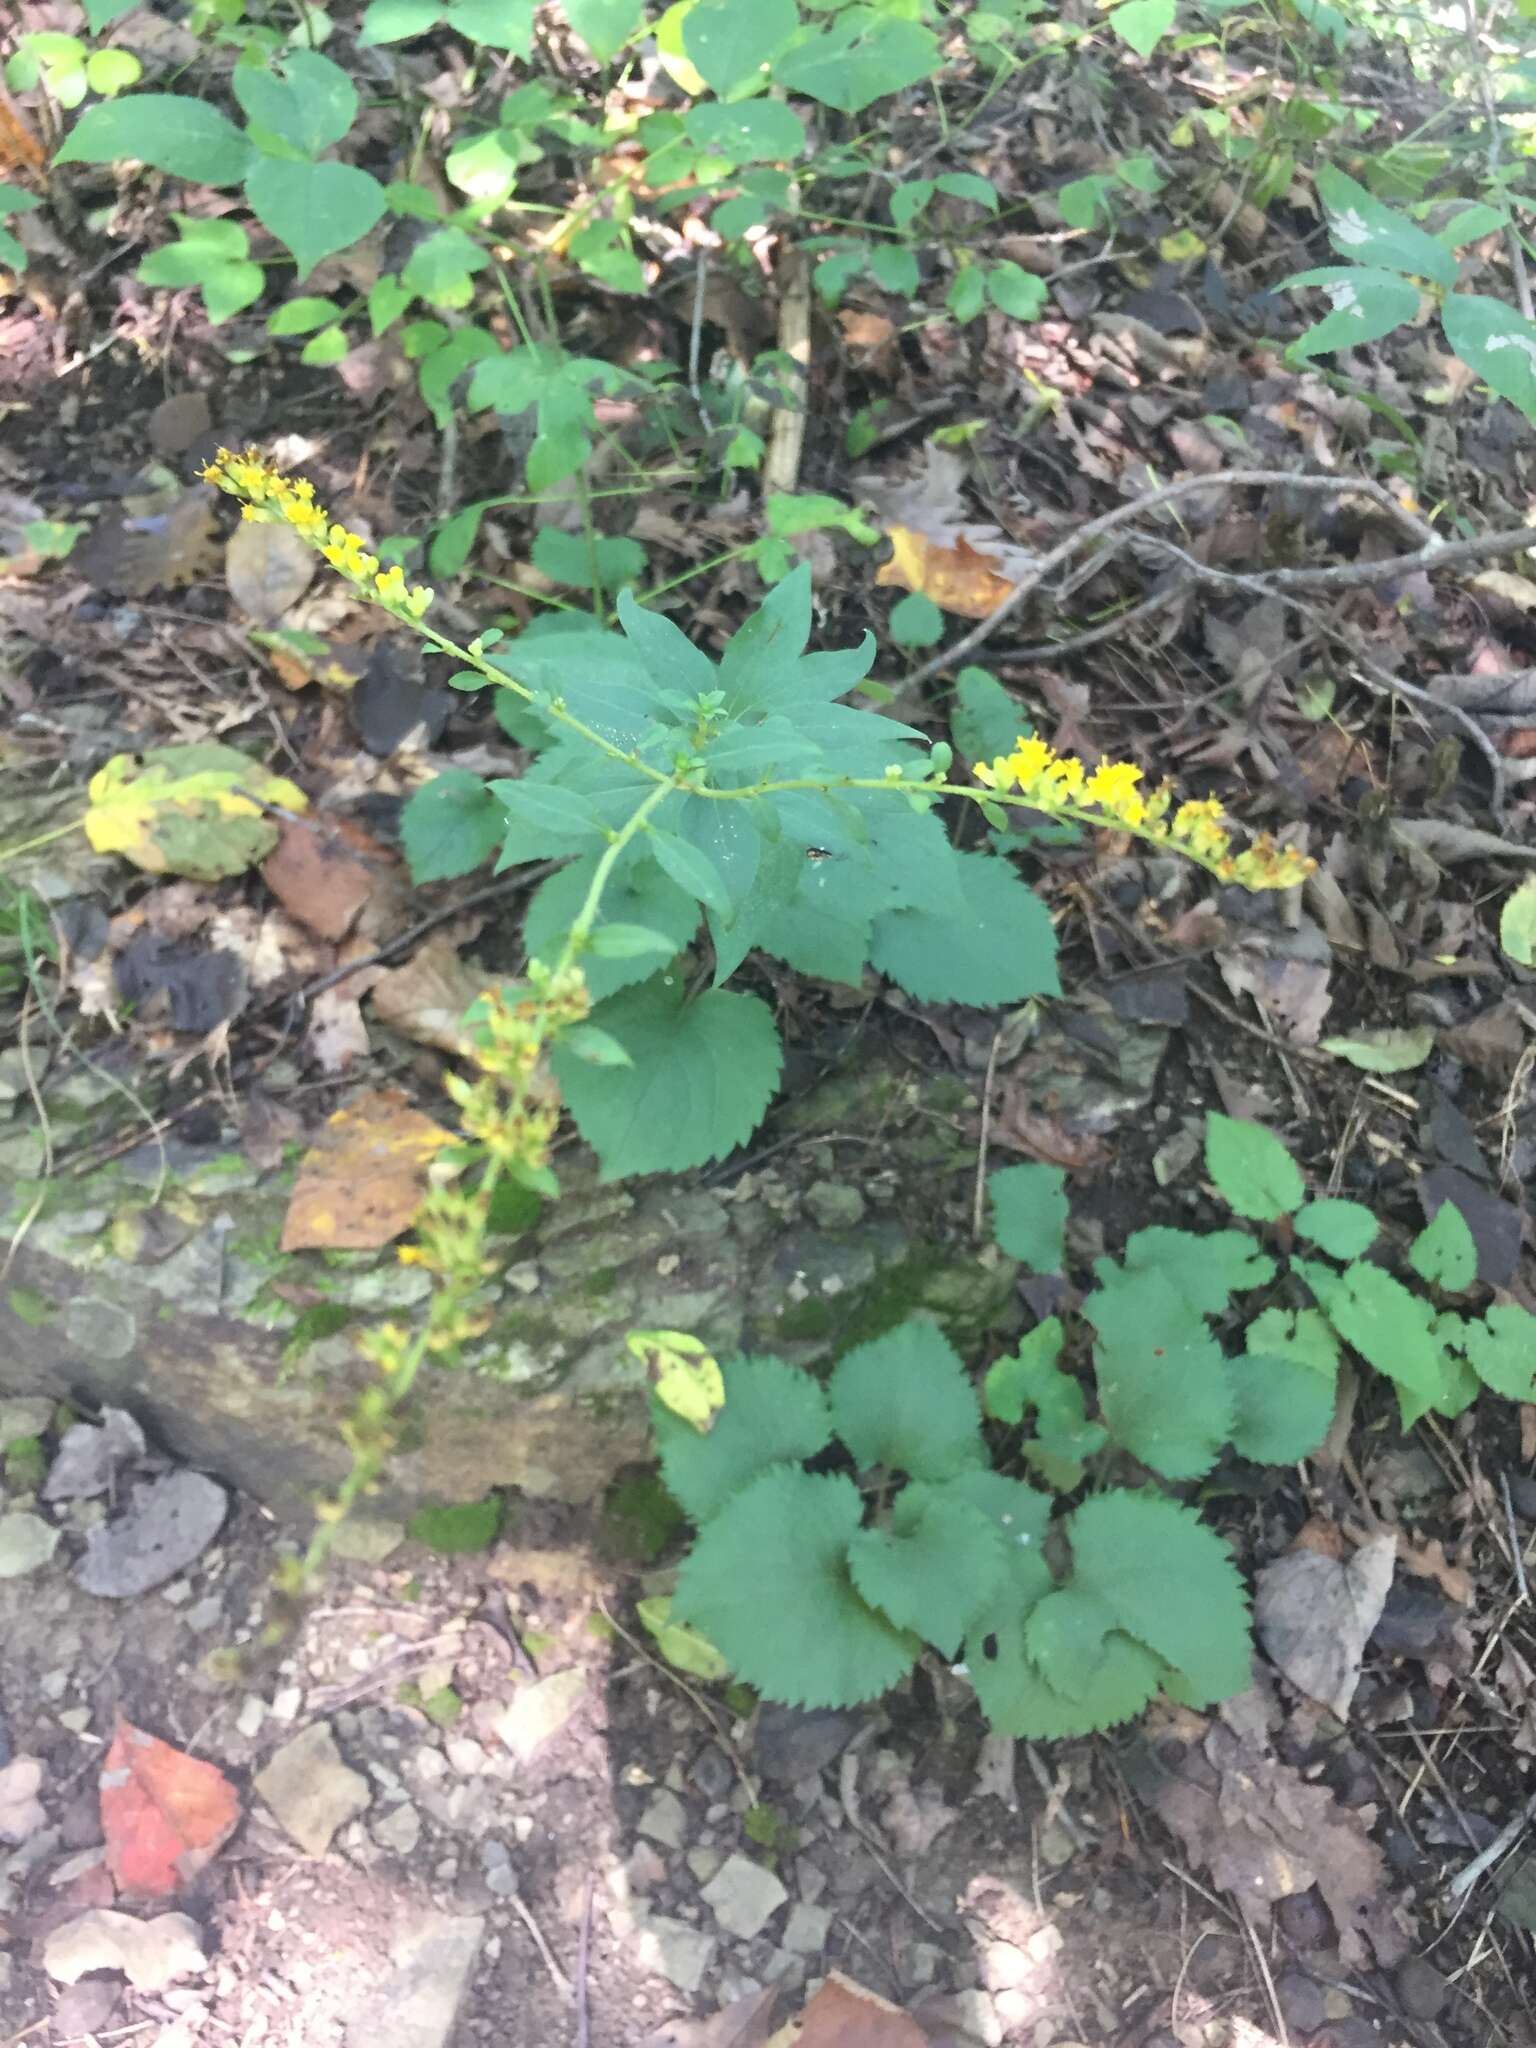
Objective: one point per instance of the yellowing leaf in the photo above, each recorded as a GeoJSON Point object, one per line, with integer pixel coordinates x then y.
{"type": "Point", "coordinates": [194, 811]}
{"type": "Point", "coordinates": [363, 1180]}
{"type": "Point", "coordinates": [299, 658]}
{"type": "Point", "coordinates": [670, 54]}
{"type": "Point", "coordinates": [687, 1379]}
{"type": "Point", "coordinates": [1519, 591]}
{"type": "Point", "coordinates": [1517, 924]}
{"type": "Point", "coordinates": [684, 1648]}
{"type": "Point", "coordinates": [958, 579]}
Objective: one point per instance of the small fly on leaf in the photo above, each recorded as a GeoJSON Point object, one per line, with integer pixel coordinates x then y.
{"type": "Point", "coordinates": [686, 1377]}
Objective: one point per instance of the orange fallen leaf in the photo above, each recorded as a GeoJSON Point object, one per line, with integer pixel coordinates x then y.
{"type": "Point", "coordinates": [320, 873]}
{"type": "Point", "coordinates": [958, 579]}
{"type": "Point", "coordinates": [20, 149]}
{"type": "Point", "coordinates": [363, 1181]}
{"type": "Point", "coordinates": [865, 330]}
{"type": "Point", "coordinates": [844, 2015]}
{"type": "Point", "coordinates": [164, 1814]}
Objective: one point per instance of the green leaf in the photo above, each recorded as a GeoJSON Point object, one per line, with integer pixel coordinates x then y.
{"type": "Point", "coordinates": [1300, 1334]}
{"type": "Point", "coordinates": [498, 24]}
{"type": "Point", "coordinates": [968, 185]}
{"type": "Point", "coordinates": [937, 1563]}
{"type": "Point", "coordinates": [905, 1401]}
{"type": "Point", "coordinates": [112, 71]}
{"type": "Point", "coordinates": [573, 557]}
{"type": "Point", "coordinates": [640, 895]}
{"type": "Point", "coordinates": [605, 26]}
{"type": "Point", "coordinates": [1142, 23]}
{"type": "Point", "coordinates": [100, 14]}
{"type": "Point", "coordinates": [1366, 304]}
{"type": "Point", "coordinates": [1032, 1379]}
{"type": "Point", "coordinates": [916, 621]}
{"type": "Point", "coordinates": [1001, 950]}
{"type": "Point", "coordinates": [1162, 1385]}
{"type": "Point", "coordinates": [683, 1648]}
{"type": "Point", "coordinates": [986, 719]}
{"type": "Point", "coordinates": [1444, 1253]}
{"type": "Point", "coordinates": [313, 209]}
{"type": "Point", "coordinates": [457, 1531]}
{"type": "Point", "coordinates": [1501, 1350]}
{"type": "Point", "coordinates": [1390, 1051]}
{"type": "Point", "coordinates": [1029, 1215]}
{"type": "Point", "coordinates": [1344, 1230]}
{"type": "Point", "coordinates": [184, 137]}
{"type": "Point", "coordinates": [441, 268]}
{"type": "Point", "coordinates": [774, 1414]}
{"type": "Point", "coordinates": [1517, 924]}
{"type": "Point", "coordinates": [1495, 341]}
{"type": "Point", "coordinates": [768, 1583]}
{"type": "Point", "coordinates": [630, 942]}
{"type": "Point", "coordinates": [1253, 1172]}
{"type": "Point", "coordinates": [1386, 1324]}
{"type": "Point", "coordinates": [967, 294]}
{"type": "Point", "coordinates": [747, 131]}
{"type": "Point", "coordinates": [563, 819]}
{"type": "Point", "coordinates": [451, 826]}
{"type": "Point", "coordinates": [1281, 1409]}
{"type": "Point", "coordinates": [387, 300]}
{"type": "Point", "coordinates": [1016, 291]}
{"type": "Point", "coordinates": [305, 100]}
{"type": "Point", "coordinates": [861, 56]}
{"type": "Point", "coordinates": [692, 870]}
{"type": "Point", "coordinates": [1204, 1266]}
{"type": "Point", "coordinates": [703, 1076]}
{"type": "Point", "coordinates": [392, 21]}
{"type": "Point", "coordinates": [729, 44]}
{"type": "Point", "coordinates": [1366, 232]}
{"type": "Point", "coordinates": [302, 316]}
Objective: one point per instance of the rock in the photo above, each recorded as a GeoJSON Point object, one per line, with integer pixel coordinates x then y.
{"type": "Point", "coordinates": [806, 1929]}
{"type": "Point", "coordinates": [418, 2000]}
{"type": "Point", "coordinates": [1422, 1989]}
{"type": "Point", "coordinates": [150, 1953]}
{"type": "Point", "coordinates": [1304, 1920]}
{"type": "Point", "coordinates": [792, 1742]}
{"type": "Point", "coordinates": [834, 1206]}
{"type": "Point", "coordinates": [21, 1811]}
{"type": "Point", "coordinates": [367, 1539]}
{"type": "Point", "coordinates": [311, 1790]}
{"type": "Point", "coordinates": [665, 1820]}
{"type": "Point", "coordinates": [100, 1329]}
{"type": "Point", "coordinates": [743, 1896]}
{"type": "Point", "coordinates": [26, 1544]}
{"type": "Point", "coordinates": [1300, 1998]}
{"type": "Point", "coordinates": [538, 1711]}
{"type": "Point", "coordinates": [703, 1863]}
{"type": "Point", "coordinates": [24, 1416]}
{"type": "Point", "coordinates": [398, 1830]}
{"type": "Point", "coordinates": [711, 1772]}
{"type": "Point", "coordinates": [645, 1868]}
{"type": "Point", "coordinates": [680, 1953]}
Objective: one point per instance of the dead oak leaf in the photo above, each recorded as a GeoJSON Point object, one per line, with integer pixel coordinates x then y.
{"type": "Point", "coordinates": [426, 998]}
{"type": "Point", "coordinates": [164, 1814]}
{"type": "Point", "coordinates": [1314, 1615]}
{"type": "Point", "coordinates": [957, 578]}
{"type": "Point", "coordinates": [844, 2015]}
{"type": "Point", "coordinates": [362, 1182]}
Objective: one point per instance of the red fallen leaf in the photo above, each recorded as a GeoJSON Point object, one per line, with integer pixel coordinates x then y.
{"type": "Point", "coordinates": [164, 1814]}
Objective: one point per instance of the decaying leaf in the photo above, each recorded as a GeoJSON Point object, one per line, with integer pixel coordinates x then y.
{"type": "Point", "coordinates": [164, 1815]}
{"type": "Point", "coordinates": [268, 568]}
{"type": "Point", "coordinates": [193, 810]}
{"type": "Point", "coordinates": [1314, 1615]}
{"type": "Point", "coordinates": [363, 1181]}
{"type": "Point", "coordinates": [166, 1525]}
{"type": "Point", "coordinates": [957, 578]}
{"type": "Point", "coordinates": [151, 1954]}
{"type": "Point", "coordinates": [1263, 1832]}
{"type": "Point", "coordinates": [1395, 1050]}
{"type": "Point", "coordinates": [160, 543]}
{"type": "Point", "coordinates": [316, 873]}
{"type": "Point", "coordinates": [427, 997]}
{"type": "Point", "coordinates": [844, 2015]}
{"type": "Point", "coordinates": [300, 658]}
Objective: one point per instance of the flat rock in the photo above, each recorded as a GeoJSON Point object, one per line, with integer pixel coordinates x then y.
{"type": "Point", "coordinates": [665, 1820]}
{"type": "Point", "coordinates": [743, 1896]}
{"type": "Point", "coordinates": [540, 1711]}
{"type": "Point", "coordinates": [24, 1415]}
{"type": "Point", "coordinates": [796, 1742]}
{"type": "Point", "coordinates": [367, 1539]}
{"type": "Point", "coordinates": [311, 1790]}
{"type": "Point", "coordinates": [399, 1830]}
{"type": "Point", "coordinates": [679, 1953]}
{"type": "Point", "coordinates": [26, 1544]}
{"type": "Point", "coordinates": [418, 2000]}
{"type": "Point", "coordinates": [805, 1931]}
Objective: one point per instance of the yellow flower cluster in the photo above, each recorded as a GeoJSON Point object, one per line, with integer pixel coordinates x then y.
{"type": "Point", "coordinates": [1059, 784]}
{"type": "Point", "coordinates": [265, 493]}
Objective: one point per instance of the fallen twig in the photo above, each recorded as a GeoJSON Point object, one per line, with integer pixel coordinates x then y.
{"type": "Point", "coordinates": [1504, 1840]}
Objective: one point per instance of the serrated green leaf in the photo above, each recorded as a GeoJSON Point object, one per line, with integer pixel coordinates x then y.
{"type": "Point", "coordinates": [1395, 1050]}
{"type": "Point", "coordinates": [1344, 1230]}
{"type": "Point", "coordinates": [1444, 1252]}
{"type": "Point", "coordinates": [1389, 1327]}
{"type": "Point", "coordinates": [1206, 1267]}
{"type": "Point", "coordinates": [1029, 1215]}
{"type": "Point", "coordinates": [313, 209]}
{"type": "Point", "coordinates": [1018, 1699]}
{"type": "Point", "coordinates": [1366, 304]}
{"type": "Point", "coordinates": [630, 942]}
{"type": "Point", "coordinates": [905, 1401]}
{"type": "Point", "coordinates": [1281, 1410]}
{"type": "Point", "coordinates": [187, 138]}
{"type": "Point", "coordinates": [939, 1561]}
{"type": "Point", "coordinates": [1364, 231]}
{"type": "Point", "coordinates": [768, 1583]}
{"type": "Point", "coordinates": [1501, 1349]}
{"type": "Point", "coordinates": [451, 826]}
{"type": "Point", "coordinates": [1300, 1334]}
{"type": "Point", "coordinates": [1002, 950]}
{"type": "Point", "coordinates": [1254, 1173]}
{"type": "Point", "coordinates": [499, 24]}
{"type": "Point", "coordinates": [773, 1414]}
{"type": "Point", "coordinates": [564, 820]}
{"type": "Point", "coordinates": [1495, 341]}
{"type": "Point", "coordinates": [985, 720]}
{"type": "Point", "coordinates": [1517, 924]}
{"type": "Point", "coordinates": [1012, 1386]}
{"type": "Point", "coordinates": [1162, 1386]}
{"type": "Point", "coordinates": [703, 1075]}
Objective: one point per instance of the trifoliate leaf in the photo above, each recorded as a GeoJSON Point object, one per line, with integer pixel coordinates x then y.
{"type": "Point", "coordinates": [1444, 1252]}
{"type": "Point", "coordinates": [685, 1374]}
{"type": "Point", "coordinates": [1281, 1410]}
{"type": "Point", "coordinates": [768, 1583]}
{"type": "Point", "coordinates": [704, 1072]}
{"type": "Point", "coordinates": [1162, 1385]}
{"type": "Point", "coordinates": [773, 1414]}
{"type": "Point", "coordinates": [640, 895]}
{"type": "Point", "coordinates": [938, 1562]}
{"type": "Point", "coordinates": [1392, 1051]}
{"type": "Point", "coordinates": [905, 1402]}
{"type": "Point", "coordinates": [1001, 950]}
{"type": "Point", "coordinates": [1501, 1349]}
{"type": "Point", "coordinates": [684, 1648]}
{"type": "Point", "coordinates": [1207, 1267]}
{"type": "Point", "coordinates": [1029, 1214]}
{"type": "Point", "coordinates": [1168, 1580]}
{"type": "Point", "coordinates": [1386, 1324]}
{"type": "Point", "coordinates": [1344, 1230]}
{"type": "Point", "coordinates": [1252, 1169]}
{"type": "Point", "coordinates": [194, 810]}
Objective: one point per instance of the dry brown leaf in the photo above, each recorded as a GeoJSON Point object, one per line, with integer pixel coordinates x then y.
{"type": "Point", "coordinates": [162, 545]}
{"type": "Point", "coordinates": [427, 997]}
{"type": "Point", "coordinates": [746, 2023]}
{"type": "Point", "coordinates": [1429, 1561]}
{"type": "Point", "coordinates": [956, 578]}
{"type": "Point", "coordinates": [315, 873]}
{"type": "Point", "coordinates": [864, 330]}
{"type": "Point", "coordinates": [844, 2015]}
{"type": "Point", "coordinates": [364, 1179]}
{"type": "Point", "coordinates": [1314, 1615]}
{"type": "Point", "coordinates": [268, 568]}
{"type": "Point", "coordinates": [335, 1034]}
